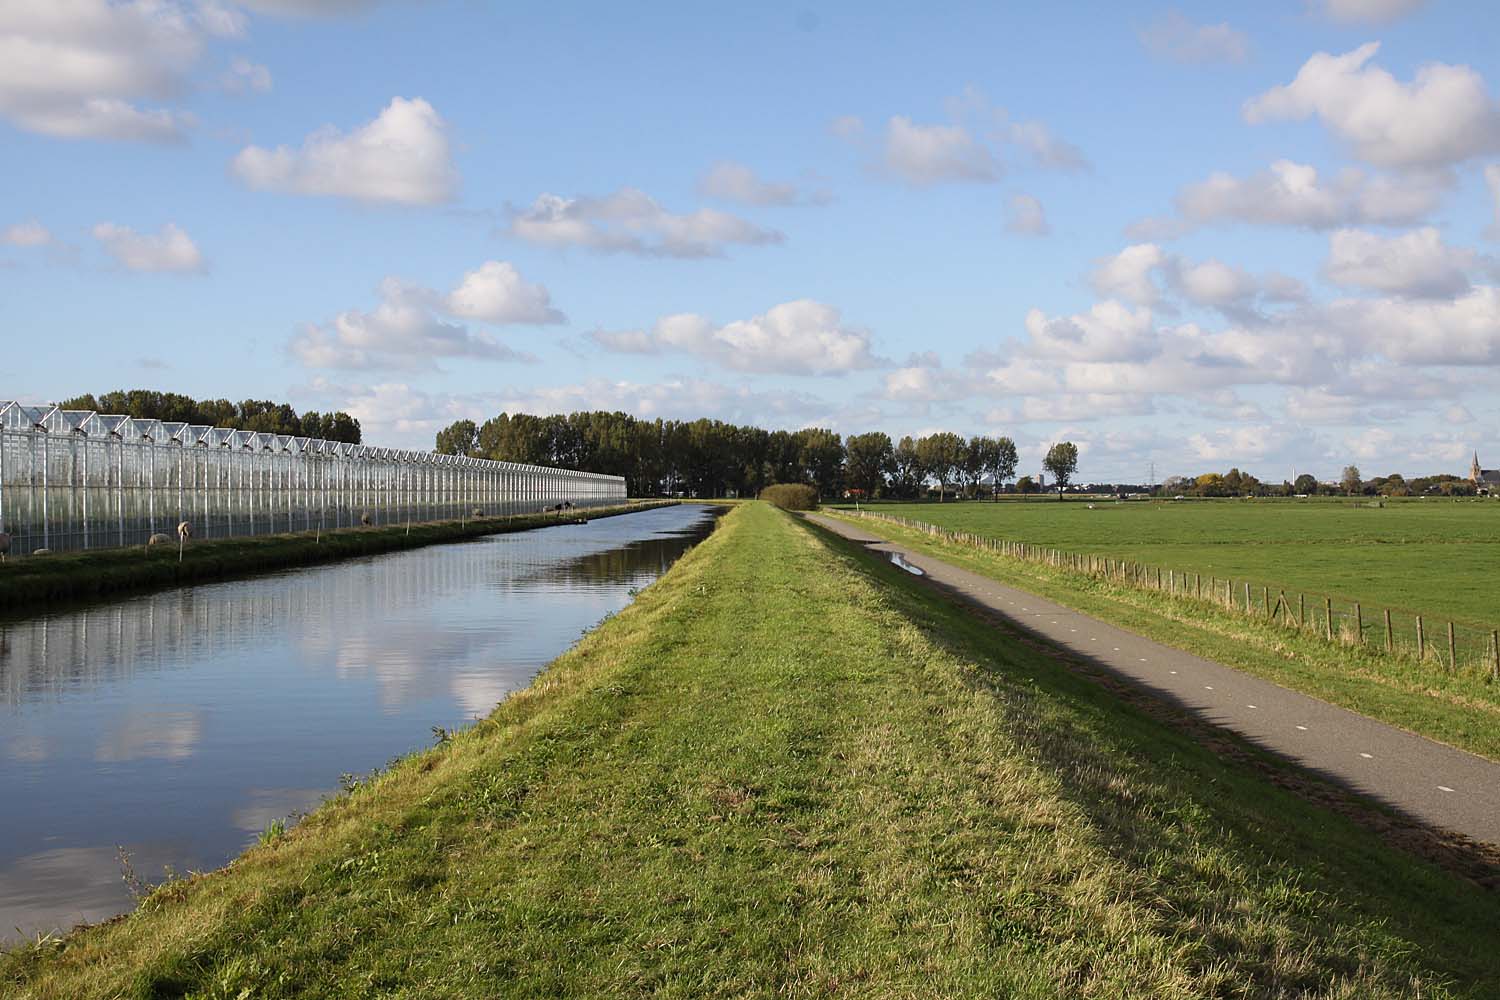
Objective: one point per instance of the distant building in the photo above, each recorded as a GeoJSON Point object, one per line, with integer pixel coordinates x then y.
{"type": "Point", "coordinates": [1484, 480]}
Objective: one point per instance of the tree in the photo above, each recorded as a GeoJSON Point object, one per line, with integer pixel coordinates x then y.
{"type": "Point", "coordinates": [1350, 480]}
{"type": "Point", "coordinates": [820, 454]}
{"type": "Point", "coordinates": [869, 459]}
{"type": "Point", "coordinates": [941, 455]}
{"type": "Point", "coordinates": [976, 460]}
{"type": "Point", "coordinates": [459, 438]}
{"type": "Point", "coordinates": [907, 471]}
{"type": "Point", "coordinates": [250, 415]}
{"type": "Point", "coordinates": [1305, 485]}
{"type": "Point", "coordinates": [1062, 462]}
{"type": "Point", "coordinates": [1004, 460]}
{"type": "Point", "coordinates": [1025, 485]}
{"type": "Point", "coordinates": [1210, 484]}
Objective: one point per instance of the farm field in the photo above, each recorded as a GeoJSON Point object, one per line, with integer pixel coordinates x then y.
{"type": "Point", "coordinates": [1430, 557]}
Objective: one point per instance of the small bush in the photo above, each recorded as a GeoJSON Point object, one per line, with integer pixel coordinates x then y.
{"type": "Point", "coordinates": [791, 496]}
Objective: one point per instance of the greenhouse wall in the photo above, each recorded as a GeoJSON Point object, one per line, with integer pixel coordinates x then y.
{"type": "Point", "coordinates": [74, 479]}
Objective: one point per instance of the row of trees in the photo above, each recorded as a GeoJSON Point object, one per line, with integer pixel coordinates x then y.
{"type": "Point", "coordinates": [261, 415]}
{"type": "Point", "coordinates": [710, 458]}
{"type": "Point", "coordinates": [1235, 483]}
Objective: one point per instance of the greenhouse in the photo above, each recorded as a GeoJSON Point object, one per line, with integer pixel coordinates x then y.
{"type": "Point", "coordinates": [75, 479]}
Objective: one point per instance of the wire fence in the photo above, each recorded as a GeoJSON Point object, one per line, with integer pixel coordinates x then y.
{"type": "Point", "coordinates": [75, 479]}
{"type": "Point", "coordinates": [1446, 643]}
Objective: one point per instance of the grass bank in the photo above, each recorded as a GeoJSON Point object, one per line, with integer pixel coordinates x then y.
{"type": "Point", "coordinates": [87, 575]}
{"type": "Point", "coordinates": [1459, 708]}
{"type": "Point", "coordinates": [786, 771]}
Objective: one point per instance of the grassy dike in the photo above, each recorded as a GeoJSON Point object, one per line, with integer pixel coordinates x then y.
{"type": "Point", "coordinates": [92, 574]}
{"type": "Point", "coordinates": [1460, 708]}
{"type": "Point", "coordinates": [786, 770]}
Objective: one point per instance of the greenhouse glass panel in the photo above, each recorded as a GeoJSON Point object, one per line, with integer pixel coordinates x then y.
{"type": "Point", "coordinates": [74, 479]}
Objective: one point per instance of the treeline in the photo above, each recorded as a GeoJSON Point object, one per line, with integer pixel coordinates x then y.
{"type": "Point", "coordinates": [710, 458]}
{"type": "Point", "coordinates": [1235, 483]}
{"type": "Point", "coordinates": [260, 415]}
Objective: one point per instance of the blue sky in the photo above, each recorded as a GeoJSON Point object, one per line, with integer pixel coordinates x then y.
{"type": "Point", "coordinates": [1194, 235]}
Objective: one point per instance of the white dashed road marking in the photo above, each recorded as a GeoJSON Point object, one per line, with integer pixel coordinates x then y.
{"type": "Point", "coordinates": [1249, 706]}
{"type": "Point", "coordinates": [1367, 756]}
{"type": "Point", "coordinates": [1303, 728]}
{"type": "Point", "coordinates": [1444, 788]}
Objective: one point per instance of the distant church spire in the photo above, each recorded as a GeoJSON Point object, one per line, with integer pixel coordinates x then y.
{"type": "Point", "coordinates": [1474, 472]}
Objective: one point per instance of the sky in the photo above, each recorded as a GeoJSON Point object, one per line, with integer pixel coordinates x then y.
{"type": "Point", "coordinates": [1183, 236]}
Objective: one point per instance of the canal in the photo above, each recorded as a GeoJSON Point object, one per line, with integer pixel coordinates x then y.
{"type": "Point", "coordinates": [168, 730]}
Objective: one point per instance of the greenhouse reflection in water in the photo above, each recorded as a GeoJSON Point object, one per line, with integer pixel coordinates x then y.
{"type": "Point", "coordinates": [180, 724]}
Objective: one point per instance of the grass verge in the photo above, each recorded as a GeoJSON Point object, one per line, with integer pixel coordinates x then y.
{"type": "Point", "coordinates": [1459, 708]}
{"type": "Point", "coordinates": [786, 770]}
{"type": "Point", "coordinates": [88, 575]}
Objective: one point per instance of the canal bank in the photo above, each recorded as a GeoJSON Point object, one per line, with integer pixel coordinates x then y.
{"type": "Point", "coordinates": [785, 770]}
{"type": "Point", "coordinates": [35, 581]}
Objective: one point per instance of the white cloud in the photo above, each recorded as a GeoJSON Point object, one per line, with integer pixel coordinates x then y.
{"type": "Point", "coordinates": [1442, 117]}
{"type": "Point", "coordinates": [1292, 194]}
{"type": "Point", "coordinates": [1416, 263]}
{"type": "Point", "coordinates": [1460, 331]}
{"type": "Point", "coordinates": [674, 398]}
{"type": "Point", "coordinates": [244, 76]}
{"type": "Point", "coordinates": [1025, 215]}
{"type": "Point", "coordinates": [169, 250]}
{"type": "Point", "coordinates": [1107, 332]}
{"type": "Point", "coordinates": [1240, 444]}
{"type": "Point", "coordinates": [1175, 37]}
{"type": "Point", "coordinates": [400, 333]}
{"type": "Point", "coordinates": [309, 8]}
{"type": "Point", "coordinates": [934, 154]}
{"type": "Point", "coordinates": [402, 156]}
{"type": "Point", "coordinates": [737, 182]}
{"type": "Point", "coordinates": [1492, 179]}
{"type": "Point", "coordinates": [1046, 149]}
{"type": "Point", "coordinates": [495, 292]}
{"type": "Point", "coordinates": [631, 221]}
{"type": "Point", "coordinates": [1135, 274]}
{"type": "Point", "coordinates": [75, 68]}
{"type": "Point", "coordinates": [1458, 414]}
{"type": "Point", "coordinates": [795, 338]}
{"type": "Point", "coordinates": [30, 233]}
{"type": "Point", "coordinates": [1369, 11]}
{"type": "Point", "coordinates": [1129, 274]}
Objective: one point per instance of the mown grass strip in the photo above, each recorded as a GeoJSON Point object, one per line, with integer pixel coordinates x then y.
{"type": "Point", "coordinates": [79, 576]}
{"type": "Point", "coordinates": [786, 771]}
{"type": "Point", "coordinates": [1461, 709]}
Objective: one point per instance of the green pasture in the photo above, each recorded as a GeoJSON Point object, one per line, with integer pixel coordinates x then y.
{"type": "Point", "coordinates": [1437, 557]}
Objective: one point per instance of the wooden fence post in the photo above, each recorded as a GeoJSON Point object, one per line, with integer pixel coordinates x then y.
{"type": "Point", "coordinates": [1452, 649]}
{"type": "Point", "coordinates": [1265, 598]}
{"type": "Point", "coordinates": [1247, 598]}
{"type": "Point", "coordinates": [1359, 625]}
{"type": "Point", "coordinates": [1328, 618]}
{"type": "Point", "coordinates": [1390, 640]}
{"type": "Point", "coordinates": [1495, 654]}
{"type": "Point", "coordinates": [1301, 610]}
{"type": "Point", "coordinates": [1421, 641]}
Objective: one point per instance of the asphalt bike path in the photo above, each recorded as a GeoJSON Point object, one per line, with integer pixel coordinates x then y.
{"type": "Point", "coordinates": [1437, 784]}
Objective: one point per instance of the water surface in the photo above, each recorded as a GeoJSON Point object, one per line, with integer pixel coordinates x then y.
{"type": "Point", "coordinates": [177, 725]}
